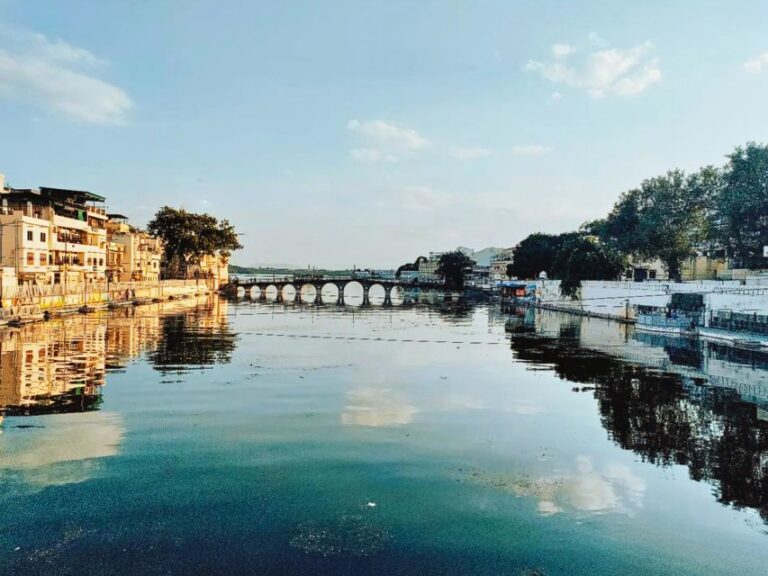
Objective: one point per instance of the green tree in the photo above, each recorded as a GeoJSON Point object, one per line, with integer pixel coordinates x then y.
{"type": "Point", "coordinates": [187, 237]}
{"type": "Point", "coordinates": [536, 253]}
{"type": "Point", "coordinates": [452, 267]}
{"type": "Point", "coordinates": [586, 258]}
{"type": "Point", "coordinates": [666, 218]}
{"type": "Point", "coordinates": [741, 214]}
{"type": "Point", "coordinates": [410, 266]}
{"type": "Point", "coordinates": [621, 228]}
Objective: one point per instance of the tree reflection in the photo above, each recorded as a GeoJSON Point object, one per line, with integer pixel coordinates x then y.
{"type": "Point", "coordinates": [193, 339]}
{"type": "Point", "coordinates": [667, 418]}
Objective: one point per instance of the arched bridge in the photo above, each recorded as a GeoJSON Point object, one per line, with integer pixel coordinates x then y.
{"type": "Point", "coordinates": [298, 283]}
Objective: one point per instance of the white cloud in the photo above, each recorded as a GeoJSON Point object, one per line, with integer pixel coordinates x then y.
{"type": "Point", "coordinates": [58, 77]}
{"type": "Point", "coordinates": [371, 155]}
{"type": "Point", "coordinates": [596, 40]}
{"type": "Point", "coordinates": [602, 72]}
{"type": "Point", "coordinates": [556, 96]}
{"type": "Point", "coordinates": [756, 65]}
{"type": "Point", "coordinates": [386, 142]}
{"type": "Point", "coordinates": [531, 150]}
{"type": "Point", "coordinates": [470, 153]}
{"type": "Point", "coordinates": [562, 50]}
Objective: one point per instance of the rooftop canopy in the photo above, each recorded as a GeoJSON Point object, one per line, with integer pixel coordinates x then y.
{"type": "Point", "coordinates": [74, 195]}
{"type": "Point", "coordinates": [117, 217]}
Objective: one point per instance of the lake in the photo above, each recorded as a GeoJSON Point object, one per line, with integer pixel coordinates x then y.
{"type": "Point", "coordinates": [212, 437]}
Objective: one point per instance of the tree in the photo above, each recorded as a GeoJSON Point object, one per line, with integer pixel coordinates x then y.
{"type": "Point", "coordinates": [621, 228]}
{"type": "Point", "coordinates": [672, 220]}
{"type": "Point", "coordinates": [410, 267]}
{"type": "Point", "coordinates": [584, 258]}
{"type": "Point", "coordinates": [452, 267]}
{"type": "Point", "coordinates": [535, 254]}
{"type": "Point", "coordinates": [187, 237]}
{"type": "Point", "coordinates": [666, 218]}
{"type": "Point", "coordinates": [741, 213]}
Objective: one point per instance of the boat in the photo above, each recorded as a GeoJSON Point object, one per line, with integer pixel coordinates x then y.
{"type": "Point", "coordinates": [517, 291]}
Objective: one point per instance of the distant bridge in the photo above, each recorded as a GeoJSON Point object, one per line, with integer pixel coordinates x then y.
{"type": "Point", "coordinates": [318, 283]}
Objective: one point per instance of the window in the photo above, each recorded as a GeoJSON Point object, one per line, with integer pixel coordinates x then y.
{"type": "Point", "coordinates": [43, 237]}
{"type": "Point", "coordinates": [30, 258]}
{"type": "Point", "coordinates": [29, 235]}
{"type": "Point", "coordinates": [43, 260]}
{"type": "Point", "coordinates": [652, 274]}
{"type": "Point", "coordinates": [101, 261]}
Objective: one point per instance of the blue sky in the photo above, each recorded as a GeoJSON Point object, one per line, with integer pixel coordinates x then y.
{"type": "Point", "coordinates": [366, 133]}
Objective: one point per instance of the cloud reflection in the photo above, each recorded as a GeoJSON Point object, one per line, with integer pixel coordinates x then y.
{"type": "Point", "coordinates": [65, 451]}
{"type": "Point", "coordinates": [377, 407]}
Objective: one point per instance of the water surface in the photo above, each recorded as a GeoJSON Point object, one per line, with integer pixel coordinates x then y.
{"type": "Point", "coordinates": [216, 438]}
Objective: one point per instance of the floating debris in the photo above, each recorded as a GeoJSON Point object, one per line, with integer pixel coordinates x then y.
{"type": "Point", "coordinates": [350, 535]}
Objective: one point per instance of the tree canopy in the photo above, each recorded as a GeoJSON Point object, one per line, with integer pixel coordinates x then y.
{"type": "Point", "coordinates": [187, 236]}
{"type": "Point", "coordinates": [536, 254]}
{"type": "Point", "coordinates": [666, 218]}
{"type": "Point", "coordinates": [742, 206]}
{"type": "Point", "coordinates": [410, 266]}
{"type": "Point", "coordinates": [452, 267]}
{"type": "Point", "coordinates": [586, 258]}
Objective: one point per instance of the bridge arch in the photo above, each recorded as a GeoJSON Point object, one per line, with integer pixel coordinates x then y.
{"type": "Point", "coordinates": [308, 293]}
{"type": "Point", "coordinates": [271, 292]}
{"type": "Point", "coordinates": [254, 293]}
{"type": "Point", "coordinates": [288, 292]}
{"type": "Point", "coordinates": [378, 294]}
{"type": "Point", "coordinates": [330, 292]}
{"type": "Point", "coordinates": [397, 295]}
{"type": "Point", "coordinates": [354, 293]}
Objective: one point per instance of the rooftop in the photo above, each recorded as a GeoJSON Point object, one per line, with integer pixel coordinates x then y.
{"type": "Point", "coordinates": [76, 195]}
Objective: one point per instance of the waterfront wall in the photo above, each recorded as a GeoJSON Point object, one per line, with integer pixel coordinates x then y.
{"type": "Point", "coordinates": [30, 300]}
{"type": "Point", "coordinates": [619, 300]}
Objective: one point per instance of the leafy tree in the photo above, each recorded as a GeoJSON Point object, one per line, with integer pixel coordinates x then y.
{"type": "Point", "coordinates": [452, 267]}
{"type": "Point", "coordinates": [187, 237]}
{"type": "Point", "coordinates": [666, 218]}
{"type": "Point", "coordinates": [741, 215]}
{"type": "Point", "coordinates": [536, 253]}
{"type": "Point", "coordinates": [621, 228]}
{"type": "Point", "coordinates": [410, 266]}
{"type": "Point", "coordinates": [672, 220]}
{"type": "Point", "coordinates": [586, 258]}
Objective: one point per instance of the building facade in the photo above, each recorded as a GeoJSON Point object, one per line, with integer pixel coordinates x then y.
{"type": "Point", "coordinates": [134, 255]}
{"type": "Point", "coordinates": [53, 235]}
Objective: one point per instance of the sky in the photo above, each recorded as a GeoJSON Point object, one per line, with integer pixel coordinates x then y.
{"type": "Point", "coordinates": [366, 133]}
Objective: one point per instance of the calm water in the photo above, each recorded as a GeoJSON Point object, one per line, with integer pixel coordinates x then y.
{"type": "Point", "coordinates": [215, 438]}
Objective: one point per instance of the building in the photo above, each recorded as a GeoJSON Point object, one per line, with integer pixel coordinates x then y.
{"type": "Point", "coordinates": [704, 265]}
{"type": "Point", "coordinates": [52, 235]}
{"type": "Point", "coordinates": [134, 255]}
{"type": "Point", "coordinates": [498, 265]}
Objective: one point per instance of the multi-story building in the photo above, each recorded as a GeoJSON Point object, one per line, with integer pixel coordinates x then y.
{"type": "Point", "coordinates": [53, 235]}
{"type": "Point", "coordinates": [133, 254]}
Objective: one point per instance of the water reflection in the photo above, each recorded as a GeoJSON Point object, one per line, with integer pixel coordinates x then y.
{"type": "Point", "coordinates": [377, 407]}
{"type": "Point", "coordinates": [672, 401]}
{"type": "Point", "coordinates": [194, 340]}
{"type": "Point", "coordinates": [38, 456]}
{"type": "Point", "coordinates": [61, 366]}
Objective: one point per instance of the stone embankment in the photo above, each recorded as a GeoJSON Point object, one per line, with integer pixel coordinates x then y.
{"type": "Point", "coordinates": [32, 303]}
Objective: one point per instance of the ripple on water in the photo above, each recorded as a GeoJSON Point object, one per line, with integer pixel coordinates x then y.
{"type": "Point", "coordinates": [349, 535]}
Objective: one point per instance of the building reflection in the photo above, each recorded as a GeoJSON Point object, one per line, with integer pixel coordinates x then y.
{"type": "Point", "coordinates": [669, 400]}
{"type": "Point", "coordinates": [61, 365]}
